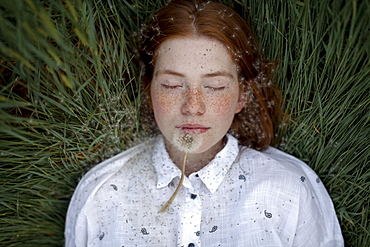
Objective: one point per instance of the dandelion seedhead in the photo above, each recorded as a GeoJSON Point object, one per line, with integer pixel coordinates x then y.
{"type": "Point", "coordinates": [185, 142]}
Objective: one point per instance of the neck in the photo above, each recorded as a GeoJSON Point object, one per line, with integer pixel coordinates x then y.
{"type": "Point", "coordinates": [194, 161]}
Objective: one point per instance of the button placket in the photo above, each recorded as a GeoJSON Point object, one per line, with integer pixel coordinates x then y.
{"type": "Point", "coordinates": [191, 218]}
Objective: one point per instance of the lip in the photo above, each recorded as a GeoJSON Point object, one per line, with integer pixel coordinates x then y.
{"type": "Point", "coordinates": [193, 128]}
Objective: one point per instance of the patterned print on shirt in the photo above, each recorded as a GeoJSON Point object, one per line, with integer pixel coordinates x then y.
{"type": "Point", "coordinates": [144, 231]}
{"type": "Point", "coordinates": [268, 215]}
{"type": "Point", "coordinates": [214, 228]}
{"type": "Point", "coordinates": [114, 187]}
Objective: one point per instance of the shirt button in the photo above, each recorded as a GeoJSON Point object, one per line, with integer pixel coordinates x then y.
{"type": "Point", "coordinates": [191, 245]}
{"type": "Point", "coordinates": [193, 196]}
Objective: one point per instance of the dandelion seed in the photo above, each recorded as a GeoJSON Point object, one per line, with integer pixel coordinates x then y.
{"type": "Point", "coordinates": [186, 142]}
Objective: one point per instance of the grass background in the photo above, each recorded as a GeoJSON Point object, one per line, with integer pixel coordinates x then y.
{"type": "Point", "coordinates": [70, 97]}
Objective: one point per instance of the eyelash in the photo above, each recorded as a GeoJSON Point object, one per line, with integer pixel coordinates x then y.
{"type": "Point", "coordinates": [171, 87]}
{"type": "Point", "coordinates": [216, 88]}
{"type": "Point", "coordinates": [180, 86]}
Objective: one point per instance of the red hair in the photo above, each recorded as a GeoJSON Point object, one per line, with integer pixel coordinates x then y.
{"type": "Point", "coordinates": [254, 126]}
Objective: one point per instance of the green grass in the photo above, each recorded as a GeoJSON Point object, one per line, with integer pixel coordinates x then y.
{"type": "Point", "coordinates": [70, 97]}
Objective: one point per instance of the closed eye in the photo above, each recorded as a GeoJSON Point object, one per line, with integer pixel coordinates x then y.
{"type": "Point", "coordinates": [215, 88]}
{"type": "Point", "coordinates": [171, 86]}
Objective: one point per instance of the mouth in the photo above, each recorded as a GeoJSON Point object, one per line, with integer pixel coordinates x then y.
{"type": "Point", "coordinates": [193, 128]}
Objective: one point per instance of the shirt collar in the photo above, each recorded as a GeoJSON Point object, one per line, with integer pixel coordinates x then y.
{"type": "Point", "coordinates": [211, 175]}
{"type": "Point", "coordinates": [214, 173]}
{"type": "Point", "coordinates": [163, 164]}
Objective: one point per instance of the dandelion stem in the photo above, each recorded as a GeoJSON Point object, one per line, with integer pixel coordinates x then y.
{"type": "Point", "coordinates": [178, 186]}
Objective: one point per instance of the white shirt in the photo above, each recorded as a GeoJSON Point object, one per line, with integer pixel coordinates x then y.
{"type": "Point", "coordinates": [243, 197]}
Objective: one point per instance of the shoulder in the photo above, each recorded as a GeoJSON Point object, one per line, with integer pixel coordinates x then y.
{"type": "Point", "coordinates": [278, 172]}
{"type": "Point", "coordinates": [109, 167]}
{"type": "Point", "coordinates": [274, 162]}
{"type": "Point", "coordinates": [89, 186]}
{"type": "Point", "coordinates": [316, 213]}
{"type": "Point", "coordinates": [101, 173]}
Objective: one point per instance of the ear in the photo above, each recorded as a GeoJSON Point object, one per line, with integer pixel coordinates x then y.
{"type": "Point", "coordinates": [242, 98]}
{"type": "Point", "coordinates": [240, 105]}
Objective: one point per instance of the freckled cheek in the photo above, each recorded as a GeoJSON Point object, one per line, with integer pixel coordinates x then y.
{"type": "Point", "coordinates": [223, 105]}
{"type": "Point", "coordinates": [163, 103]}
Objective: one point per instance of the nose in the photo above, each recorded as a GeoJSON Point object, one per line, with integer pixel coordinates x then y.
{"type": "Point", "coordinates": [193, 103]}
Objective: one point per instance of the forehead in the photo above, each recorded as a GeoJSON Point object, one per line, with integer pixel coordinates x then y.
{"type": "Point", "coordinates": [193, 54]}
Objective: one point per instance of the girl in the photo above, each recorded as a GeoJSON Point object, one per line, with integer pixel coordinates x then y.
{"type": "Point", "coordinates": [210, 178]}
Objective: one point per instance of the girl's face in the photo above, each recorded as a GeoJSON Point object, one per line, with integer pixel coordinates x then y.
{"type": "Point", "coordinates": [195, 91]}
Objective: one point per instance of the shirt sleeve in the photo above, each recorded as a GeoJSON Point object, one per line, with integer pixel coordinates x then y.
{"type": "Point", "coordinates": [317, 222]}
{"type": "Point", "coordinates": [79, 221]}
{"type": "Point", "coordinates": [76, 222]}
{"type": "Point", "coordinates": [79, 228]}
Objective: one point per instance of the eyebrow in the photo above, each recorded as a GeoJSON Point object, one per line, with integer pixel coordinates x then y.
{"type": "Point", "coordinates": [219, 73]}
{"type": "Point", "coordinates": [169, 72]}
{"type": "Point", "coordinates": [215, 74]}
